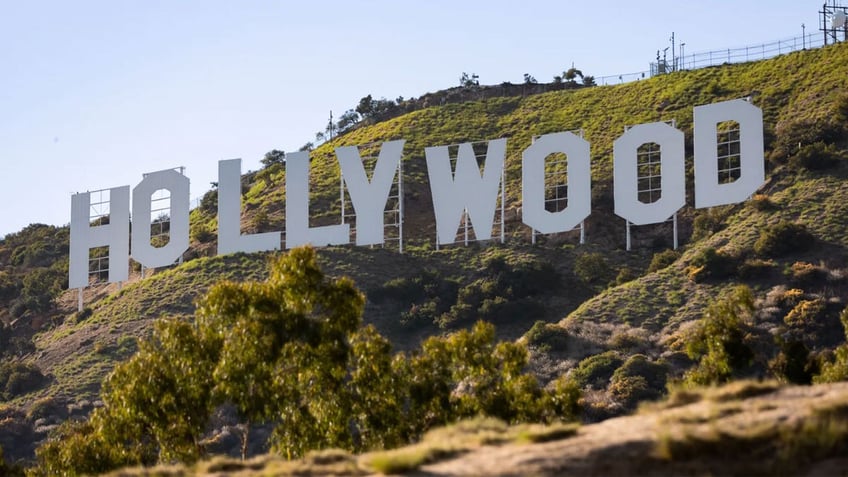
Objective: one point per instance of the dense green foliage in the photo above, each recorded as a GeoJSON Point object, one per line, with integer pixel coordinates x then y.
{"type": "Point", "coordinates": [783, 238]}
{"type": "Point", "coordinates": [18, 378]}
{"type": "Point", "coordinates": [836, 369]}
{"type": "Point", "coordinates": [292, 351]}
{"type": "Point", "coordinates": [719, 342]}
{"type": "Point", "coordinates": [33, 269]}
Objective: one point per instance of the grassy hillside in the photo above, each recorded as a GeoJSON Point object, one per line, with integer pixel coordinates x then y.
{"type": "Point", "coordinates": [597, 298]}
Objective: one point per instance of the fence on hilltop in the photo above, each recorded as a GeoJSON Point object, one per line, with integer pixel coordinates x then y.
{"type": "Point", "coordinates": [723, 56]}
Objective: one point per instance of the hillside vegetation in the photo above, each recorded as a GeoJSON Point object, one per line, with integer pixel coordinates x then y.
{"type": "Point", "coordinates": [622, 324]}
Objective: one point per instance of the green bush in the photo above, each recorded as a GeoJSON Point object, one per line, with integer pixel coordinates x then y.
{"type": "Point", "coordinates": [17, 379]}
{"type": "Point", "coordinates": [836, 369]}
{"type": "Point", "coordinates": [711, 264]}
{"type": "Point", "coordinates": [201, 232]}
{"type": "Point", "coordinates": [753, 268]}
{"type": "Point", "coordinates": [663, 259]}
{"type": "Point", "coordinates": [504, 293]}
{"type": "Point", "coordinates": [47, 407]}
{"type": "Point", "coordinates": [783, 238]}
{"type": "Point", "coordinates": [720, 341]}
{"type": "Point", "coordinates": [816, 156]}
{"type": "Point", "coordinates": [547, 337]}
{"type": "Point", "coordinates": [592, 268]}
{"type": "Point", "coordinates": [595, 371]}
{"type": "Point", "coordinates": [625, 274]}
{"type": "Point", "coordinates": [707, 222]}
{"type": "Point", "coordinates": [638, 379]}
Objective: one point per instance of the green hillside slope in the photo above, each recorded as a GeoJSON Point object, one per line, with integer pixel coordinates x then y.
{"type": "Point", "coordinates": [597, 298]}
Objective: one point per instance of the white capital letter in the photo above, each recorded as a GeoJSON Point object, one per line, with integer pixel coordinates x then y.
{"type": "Point", "coordinates": [369, 197]}
{"type": "Point", "coordinates": [298, 231]}
{"type": "Point", "coordinates": [230, 239]}
{"type": "Point", "coordinates": [533, 183]}
{"type": "Point", "coordinates": [466, 189]}
{"type": "Point", "coordinates": [626, 174]}
{"type": "Point", "coordinates": [114, 235]}
{"type": "Point", "coordinates": [708, 191]}
{"type": "Point", "coordinates": [178, 187]}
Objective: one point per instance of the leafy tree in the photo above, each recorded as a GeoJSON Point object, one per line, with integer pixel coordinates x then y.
{"type": "Point", "coordinates": [468, 373]}
{"type": "Point", "coordinates": [347, 120]}
{"type": "Point", "coordinates": [571, 74]}
{"type": "Point", "coordinates": [374, 109]}
{"type": "Point", "coordinates": [469, 81]}
{"type": "Point", "coordinates": [273, 157]}
{"type": "Point", "coordinates": [366, 106]}
{"type": "Point", "coordinates": [292, 351]}
{"type": "Point", "coordinates": [284, 349]}
{"type": "Point", "coordinates": [529, 79]}
{"type": "Point", "coordinates": [589, 80]}
{"type": "Point", "coordinates": [163, 393]}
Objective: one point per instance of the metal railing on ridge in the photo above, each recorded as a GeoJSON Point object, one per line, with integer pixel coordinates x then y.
{"type": "Point", "coordinates": [723, 56]}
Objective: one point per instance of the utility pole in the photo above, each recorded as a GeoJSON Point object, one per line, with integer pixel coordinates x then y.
{"type": "Point", "coordinates": [682, 57]}
{"type": "Point", "coordinates": [804, 36]}
{"type": "Point", "coordinates": [673, 59]}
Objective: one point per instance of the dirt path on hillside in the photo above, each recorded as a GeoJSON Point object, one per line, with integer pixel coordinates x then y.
{"type": "Point", "coordinates": [632, 445]}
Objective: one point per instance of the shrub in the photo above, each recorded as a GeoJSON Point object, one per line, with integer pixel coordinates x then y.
{"type": "Point", "coordinates": [595, 371]}
{"type": "Point", "coordinates": [763, 203]}
{"type": "Point", "coordinates": [127, 345]}
{"type": "Point", "coordinates": [17, 379]}
{"type": "Point", "coordinates": [46, 407]}
{"type": "Point", "coordinates": [706, 223]}
{"type": "Point", "coordinates": [719, 343]}
{"type": "Point", "coordinates": [638, 379]}
{"type": "Point", "coordinates": [655, 374]}
{"type": "Point", "coordinates": [547, 336]}
{"type": "Point", "coordinates": [663, 259]}
{"type": "Point", "coordinates": [625, 274]}
{"type": "Point", "coordinates": [793, 363]}
{"type": "Point", "coordinates": [592, 268]}
{"type": "Point", "coordinates": [783, 238]}
{"type": "Point", "coordinates": [754, 268]}
{"type": "Point", "coordinates": [565, 397]}
{"type": "Point", "coordinates": [202, 233]}
{"type": "Point", "coordinates": [503, 293]}
{"type": "Point", "coordinates": [805, 313]}
{"type": "Point", "coordinates": [791, 297]}
{"type": "Point", "coordinates": [816, 156]}
{"type": "Point", "coordinates": [629, 390]}
{"type": "Point", "coordinates": [836, 369]}
{"type": "Point", "coordinates": [710, 263]}
{"type": "Point", "coordinates": [807, 274]}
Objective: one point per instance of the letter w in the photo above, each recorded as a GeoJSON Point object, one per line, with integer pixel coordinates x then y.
{"type": "Point", "coordinates": [466, 189]}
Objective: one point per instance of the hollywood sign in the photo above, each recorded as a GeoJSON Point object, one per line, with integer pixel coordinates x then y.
{"type": "Point", "coordinates": [464, 190]}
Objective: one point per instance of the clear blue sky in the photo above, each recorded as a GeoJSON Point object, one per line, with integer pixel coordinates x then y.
{"type": "Point", "coordinates": [95, 93]}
